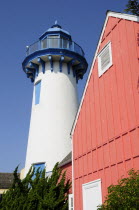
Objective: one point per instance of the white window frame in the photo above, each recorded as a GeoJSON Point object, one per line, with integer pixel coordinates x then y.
{"type": "Point", "coordinates": [100, 71]}
{"type": "Point", "coordinates": [71, 197]}
{"type": "Point", "coordinates": [91, 185]}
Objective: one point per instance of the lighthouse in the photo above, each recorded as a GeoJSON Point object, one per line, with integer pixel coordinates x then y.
{"type": "Point", "coordinates": [54, 64]}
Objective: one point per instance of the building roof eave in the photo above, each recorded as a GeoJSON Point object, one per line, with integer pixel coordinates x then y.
{"type": "Point", "coordinates": [66, 160]}
{"type": "Point", "coordinates": [6, 180]}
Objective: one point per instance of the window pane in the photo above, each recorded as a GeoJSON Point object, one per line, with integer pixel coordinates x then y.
{"type": "Point", "coordinates": [39, 165]}
{"type": "Point", "coordinates": [65, 43]}
{"type": "Point", "coordinates": [53, 42]}
{"type": "Point", "coordinates": [44, 44]}
{"type": "Point", "coordinates": [37, 92]}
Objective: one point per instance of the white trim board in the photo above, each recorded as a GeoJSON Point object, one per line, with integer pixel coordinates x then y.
{"type": "Point", "coordinates": [71, 203]}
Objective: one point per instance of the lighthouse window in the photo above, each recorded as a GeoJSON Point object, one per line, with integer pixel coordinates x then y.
{"type": "Point", "coordinates": [37, 92]}
{"type": "Point", "coordinates": [65, 43]}
{"type": "Point", "coordinates": [38, 166]}
{"type": "Point", "coordinates": [104, 59]}
{"type": "Point", "coordinates": [44, 44]}
{"type": "Point", "coordinates": [53, 41]}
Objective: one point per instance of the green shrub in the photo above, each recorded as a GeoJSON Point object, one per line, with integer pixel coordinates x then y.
{"type": "Point", "coordinates": [124, 195]}
{"type": "Point", "coordinates": [37, 192]}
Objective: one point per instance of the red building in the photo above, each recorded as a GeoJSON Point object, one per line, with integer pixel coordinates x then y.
{"type": "Point", "coordinates": [105, 134]}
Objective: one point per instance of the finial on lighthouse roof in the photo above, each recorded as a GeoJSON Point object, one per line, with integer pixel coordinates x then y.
{"type": "Point", "coordinates": [56, 25]}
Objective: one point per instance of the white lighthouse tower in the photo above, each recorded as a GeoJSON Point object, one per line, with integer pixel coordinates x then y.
{"type": "Point", "coordinates": [54, 64]}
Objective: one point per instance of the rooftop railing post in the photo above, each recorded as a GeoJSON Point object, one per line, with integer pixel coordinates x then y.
{"type": "Point", "coordinates": [39, 45]}
{"type": "Point", "coordinates": [68, 45]}
{"type": "Point", "coordinates": [58, 43]}
{"type": "Point", "coordinates": [48, 42]}
{"type": "Point", "coordinates": [62, 43]}
{"type": "Point", "coordinates": [73, 46]}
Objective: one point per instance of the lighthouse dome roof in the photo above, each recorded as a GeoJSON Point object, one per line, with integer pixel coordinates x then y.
{"type": "Point", "coordinates": [56, 29]}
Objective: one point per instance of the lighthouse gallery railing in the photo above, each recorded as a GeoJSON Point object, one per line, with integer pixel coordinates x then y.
{"type": "Point", "coordinates": [54, 43]}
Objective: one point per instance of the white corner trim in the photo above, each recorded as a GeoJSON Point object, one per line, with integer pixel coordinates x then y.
{"type": "Point", "coordinates": [72, 168]}
{"type": "Point", "coordinates": [109, 14]}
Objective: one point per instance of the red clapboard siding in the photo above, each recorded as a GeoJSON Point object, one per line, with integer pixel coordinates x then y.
{"type": "Point", "coordinates": [106, 137]}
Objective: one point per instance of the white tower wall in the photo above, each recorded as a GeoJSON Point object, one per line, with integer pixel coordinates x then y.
{"type": "Point", "coordinates": [52, 119]}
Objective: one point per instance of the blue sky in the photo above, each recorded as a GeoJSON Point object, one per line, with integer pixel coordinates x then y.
{"type": "Point", "coordinates": [21, 24]}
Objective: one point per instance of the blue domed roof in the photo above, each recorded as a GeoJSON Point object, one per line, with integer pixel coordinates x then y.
{"type": "Point", "coordinates": [56, 29]}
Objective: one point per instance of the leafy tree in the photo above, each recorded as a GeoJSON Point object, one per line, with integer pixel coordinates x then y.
{"type": "Point", "coordinates": [125, 195]}
{"type": "Point", "coordinates": [37, 192]}
{"type": "Point", "coordinates": [132, 7]}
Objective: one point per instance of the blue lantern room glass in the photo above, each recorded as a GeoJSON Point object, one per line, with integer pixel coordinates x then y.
{"type": "Point", "coordinates": [55, 42]}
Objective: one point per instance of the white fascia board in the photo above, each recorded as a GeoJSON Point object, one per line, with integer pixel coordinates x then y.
{"type": "Point", "coordinates": [123, 16]}
{"type": "Point", "coordinates": [109, 14]}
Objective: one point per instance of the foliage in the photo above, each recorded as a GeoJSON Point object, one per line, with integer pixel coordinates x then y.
{"type": "Point", "coordinates": [125, 195]}
{"type": "Point", "coordinates": [132, 7]}
{"type": "Point", "coordinates": [37, 192]}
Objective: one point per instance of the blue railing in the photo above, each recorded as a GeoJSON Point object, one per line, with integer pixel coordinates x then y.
{"type": "Point", "coordinates": [54, 43]}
